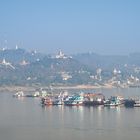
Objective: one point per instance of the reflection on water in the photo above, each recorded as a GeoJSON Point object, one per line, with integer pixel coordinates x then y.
{"type": "Point", "coordinates": [100, 122]}
{"type": "Point", "coordinates": [26, 119]}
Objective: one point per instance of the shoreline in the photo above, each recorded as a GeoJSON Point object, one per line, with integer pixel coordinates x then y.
{"type": "Point", "coordinates": [34, 88]}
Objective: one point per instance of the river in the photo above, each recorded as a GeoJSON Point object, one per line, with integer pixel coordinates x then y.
{"type": "Point", "coordinates": [26, 119]}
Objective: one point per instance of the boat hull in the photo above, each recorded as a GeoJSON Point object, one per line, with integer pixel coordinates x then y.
{"type": "Point", "coordinates": [129, 103]}
{"type": "Point", "coordinates": [93, 103]}
{"type": "Point", "coordinates": [73, 103]}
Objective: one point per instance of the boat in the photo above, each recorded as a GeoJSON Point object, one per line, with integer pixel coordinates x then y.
{"type": "Point", "coordinates": [36, 94]}
{"type": "Point", "coordinates": [74, 100]}
{"type": "Point", "coordinates": [137, 103]}
{"type": "Point", "coordinates": [59, 100]}
{"type": "Point", "coordinates": [129, 103]}
{"type": "Point", "coordinates": [132, 103]}
{"type": "Point", "coordinates": [113, 101]}
{"type": "Point", "coordinates": [46, 101]}
{"type": "Point", "coordinates": [51, 99]}
{"type": "Point", "coordinates": [19, 94]}
{"type": "Point", "coordinates": [92, 99]}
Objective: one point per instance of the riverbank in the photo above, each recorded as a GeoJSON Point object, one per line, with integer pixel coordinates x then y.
{"type": "Point", "coordinates": [34, 88]}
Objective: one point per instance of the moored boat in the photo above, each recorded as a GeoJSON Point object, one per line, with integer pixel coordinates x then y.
{"type": "Point", "coordinates": [59, 100]}
{"type": "Point", "coordinates": [19, 94]}
{"type": "Point", "coordinates": [36, 94]}
{"type": "Point", "coordinates": [94, 99]}
{"type": "Point", "coordinates": [46, 101]}
{"type": "Point", "coordinates": [129, 103]}
{"type": "Point", "coordinates": [113, 101]}
{"type": "Point", "coordinates": [137, 103]}
{"type": "Point", "coordinates": [74, 100]}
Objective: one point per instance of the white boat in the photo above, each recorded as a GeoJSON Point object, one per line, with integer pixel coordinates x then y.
{"type": "Point", "coordinates": [58, 102]}
{"type": "Point", "coordinates": [36, 94]}
{"type": "Point", "coordinates": [113, 101]}
{"type": "Point", "coordinates": [75, 100]}
{"type": "Point", "coordinates": [137, 103]}
{"type": "Point", "coordinates": [19, 94]}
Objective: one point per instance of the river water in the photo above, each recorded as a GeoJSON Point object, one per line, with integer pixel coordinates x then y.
{"type": "Point", "coordinates": [26, 119]}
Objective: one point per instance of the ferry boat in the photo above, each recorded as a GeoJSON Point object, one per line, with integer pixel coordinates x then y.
{"type": "Point", "coordinates": [57, 99]}
{"type": "Point", "coordinates": [19, 94]}
{"type": "Point", "coordinates": [113, 101]}
{"type": "Point", "coordinates": [94, 99]}
{"type": "Point", "coordinates": [74, 100]}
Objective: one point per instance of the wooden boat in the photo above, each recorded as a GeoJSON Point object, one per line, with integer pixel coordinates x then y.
{"type": "Point", "coordinates": [113, 101]}
{"type": "Point", "coordinates": [74, 100]}
{"type": "Point", "coordinates": [46, 101]}
{"type": "Point", "coordinates": [94, 99]}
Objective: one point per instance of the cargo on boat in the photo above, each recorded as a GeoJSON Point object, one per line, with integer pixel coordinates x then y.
{"type": "Point", "coordinates": [46, 101]}
{"type": "Point", "coordinates": [74, 100]}
{"type": "Point", "coordinates": [114, 101]}
{"type": "Point", "coordinates": [54, 99]}
{"type": "Point", "coordinates": [59, 100]}
{"type": "Point", "coordinates": [92, 99]}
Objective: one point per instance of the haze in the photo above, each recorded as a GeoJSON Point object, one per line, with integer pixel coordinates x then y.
{"type": "Point", "coordinates": [74, 26]}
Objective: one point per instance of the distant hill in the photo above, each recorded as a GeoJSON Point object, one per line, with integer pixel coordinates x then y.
{"type": "Point", "coordinates": [38, 69]}
{"type": "Point", "coordinates": [108, 61]}
{"type": "Point", "coordinates": [20, 67]}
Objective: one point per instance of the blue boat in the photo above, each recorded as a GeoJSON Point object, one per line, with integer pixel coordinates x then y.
{"type": "Point", "coordinates": [74, 100]}
{"type": "Point", "coordinates": [113, 101]}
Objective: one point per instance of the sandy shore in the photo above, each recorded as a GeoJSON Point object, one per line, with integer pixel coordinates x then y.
{"type": "Point", "coordinates": [33, 88]}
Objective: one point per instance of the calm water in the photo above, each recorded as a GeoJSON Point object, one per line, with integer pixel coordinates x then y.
{"type": "Point", "coordinates": [25, 119]}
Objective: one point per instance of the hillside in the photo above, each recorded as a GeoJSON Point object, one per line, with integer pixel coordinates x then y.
{"type": "Point", "coordinates": [20, 67]}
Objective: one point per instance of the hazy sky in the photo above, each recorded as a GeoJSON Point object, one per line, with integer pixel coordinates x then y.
{"type": "Point", "coordinates": [74, 26]}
